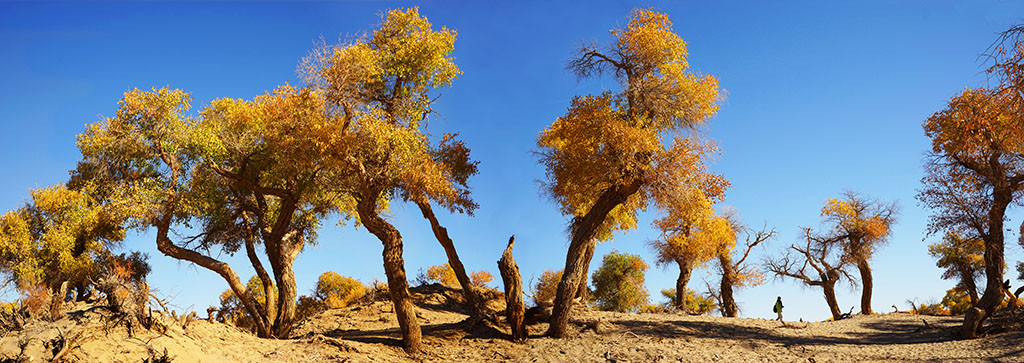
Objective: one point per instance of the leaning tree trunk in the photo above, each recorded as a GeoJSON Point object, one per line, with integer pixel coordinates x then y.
{"type": "Point", "coordinates": [994, 246]}
{"type": "Point", "coordinates": [394, 268]}
{"type": "Point", "coordinates": [167, 247]}
{"type": "Point", "coordinates": [513, 293]}
{"type": "Point", "coordinates": [269, 313]}
{"type": "Point", "coordinates": [576, 262]}
{"type": "Point", "coordinates": [829, 289]}
{"type": "Point", "coordinates": [473, 299]}
{"type": "Point", "coordinates": [685, 268]}
{"type": "Point", "coordinates": [582, 292]}
{"type": "Point", "coordinates": [728, 279]}
{"type": "Point", "coordinates": [868, 283]}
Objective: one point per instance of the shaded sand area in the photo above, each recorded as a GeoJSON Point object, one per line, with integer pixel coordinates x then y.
{"type": "Point", "coordinates": [368, 333]}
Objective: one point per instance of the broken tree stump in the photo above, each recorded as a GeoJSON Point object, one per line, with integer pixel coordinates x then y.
{"type": "Point", "coordinates": [513, 293]}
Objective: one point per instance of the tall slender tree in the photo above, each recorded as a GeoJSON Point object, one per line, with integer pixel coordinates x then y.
{"type": "Point", "coordinates": [382, 86]}
{"type": "Point", "coordinates": [606, 158]}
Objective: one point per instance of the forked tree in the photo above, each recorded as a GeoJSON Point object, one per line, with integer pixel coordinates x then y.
{"type": "Point", "coordinates": [606, 158]}
{"type": "Point", "coordinates": [689, 240]}
{"type": "Point", "coordinates": [860, 226]}
{"type": "Point", "coordinates": [245, 173]}
{"type": "Point", "coordinates": [382, 86]}
{"type": "Point", "coordinates": [826, 267]}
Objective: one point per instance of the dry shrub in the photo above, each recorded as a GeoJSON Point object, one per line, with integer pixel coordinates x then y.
{"type": "Point", "coordinates": [35, 299]}
{"type": "Point", "coordinates": [127, 296]}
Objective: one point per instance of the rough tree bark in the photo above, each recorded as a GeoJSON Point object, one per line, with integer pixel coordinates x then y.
{"type": "Point", "coordinates": [394, 268]}
{"type": "Point", "coordinates": [57, 301]}
{"type": "Point", "coordinates": [468, 292]}
{"type": "Point", "coordinates": [281, 262]}
{"type": "Point", "coordinates": [728, 279]}
{"type": "Point", "coordinates": [868, 284]}
{"type": "Point", "coordinates": [269, 313]}
{"type": "Point", "coordinates": [513, 293]}
{"type": "Point", "coordinates": [685, 269]}
{"type": "Point", "coordinates": [576, 262]}
{"type": "Point", "coordinates": [994, 261]}
{"type": "Point", "coordinates": [829, 289]}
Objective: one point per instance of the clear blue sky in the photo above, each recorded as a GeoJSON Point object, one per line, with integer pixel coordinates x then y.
{"type": "Point", "coordinates": [822, 97]}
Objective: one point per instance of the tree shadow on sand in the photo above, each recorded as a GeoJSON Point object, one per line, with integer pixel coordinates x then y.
{"type": "Point", "coordinates": [872, 332]}
{"type": "Point", "coordinates": [392, 336]}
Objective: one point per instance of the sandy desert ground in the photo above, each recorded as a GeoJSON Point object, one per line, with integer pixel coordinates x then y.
{"type": "Point", "coordinates": [368, 333]}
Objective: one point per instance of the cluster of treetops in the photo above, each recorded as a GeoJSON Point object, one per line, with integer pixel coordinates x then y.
{"type": "Point", "coordinates": [261, 175]}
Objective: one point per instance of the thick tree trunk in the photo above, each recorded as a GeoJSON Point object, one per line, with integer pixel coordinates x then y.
{"type": "Point", "coordinates": [468, 292]}
{"type": "Point", "coordinates": [394, 268]}
{"type": "Point", "coordinates": [829, 289]}
{"type": "Point", "coordinates": [575, 260]}
{"type": "Point", "coordinates": [685, 268]}
{"type": "Point", "coordinates": [583, 292]}
{"type": "Point", "coordinates": [286, 295]}
{"type": "Point", "coordinates": [994, 249]}
{"type": "Point", "coordinates": [868, 284]}
{"type": "Point", "coordinates": [513, 293]}
{"type": "Point", "coordinates": [728, 279]}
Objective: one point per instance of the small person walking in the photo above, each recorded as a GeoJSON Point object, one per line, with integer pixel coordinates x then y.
{"type": "Point", "coordinates": [778, 308]}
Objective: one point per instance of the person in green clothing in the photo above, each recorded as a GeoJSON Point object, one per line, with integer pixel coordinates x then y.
{"type": "Point", "coordinates": [778, 307]}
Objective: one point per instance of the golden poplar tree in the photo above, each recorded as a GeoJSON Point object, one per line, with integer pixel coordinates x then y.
{"type": "Point", "coordinates": [609, 156]}
{"type": "Point", "coordinates": [252, 175]}
{"type": "Point", "coordinates": [382, 86]}
{"type": "Point", "coordinates": [974, 172]}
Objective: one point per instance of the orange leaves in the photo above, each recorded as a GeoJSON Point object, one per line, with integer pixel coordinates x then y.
{"type": "Point", "coordinates": [695, 236]}
{"type": "Point", "coordinates": [960, 256]}
{"type": "Point", "coordinates": [859, 223]}
{"type": "Point", "coordinates": [974, 124]}
{"type": "Point", "coordinates": [648, 39]}
{"type": "Point", "coordinates": [444, 274]}
{"type": "Point", "coordinates": [379, 87]}
{"type": "Point", "coordinates": [617, 138]}
{"type": "Point", "coordinates": [591, 148]}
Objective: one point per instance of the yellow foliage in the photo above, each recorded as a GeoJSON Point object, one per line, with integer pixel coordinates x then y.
{"type": "Point", "coordinates": [480, 278]}
{"type": "Point", "coordinates": [445, 275]}
{"type": "Point", "coordinates": [60, 235]}
{"type": "Point", "coordinates": [547, 285]}
{"type": "Point", "coordinates": [336, 291]}
{"type": "Point", "coordinates": [442, 274]}
{"type": "Point", "coordinates": [614, 139]}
